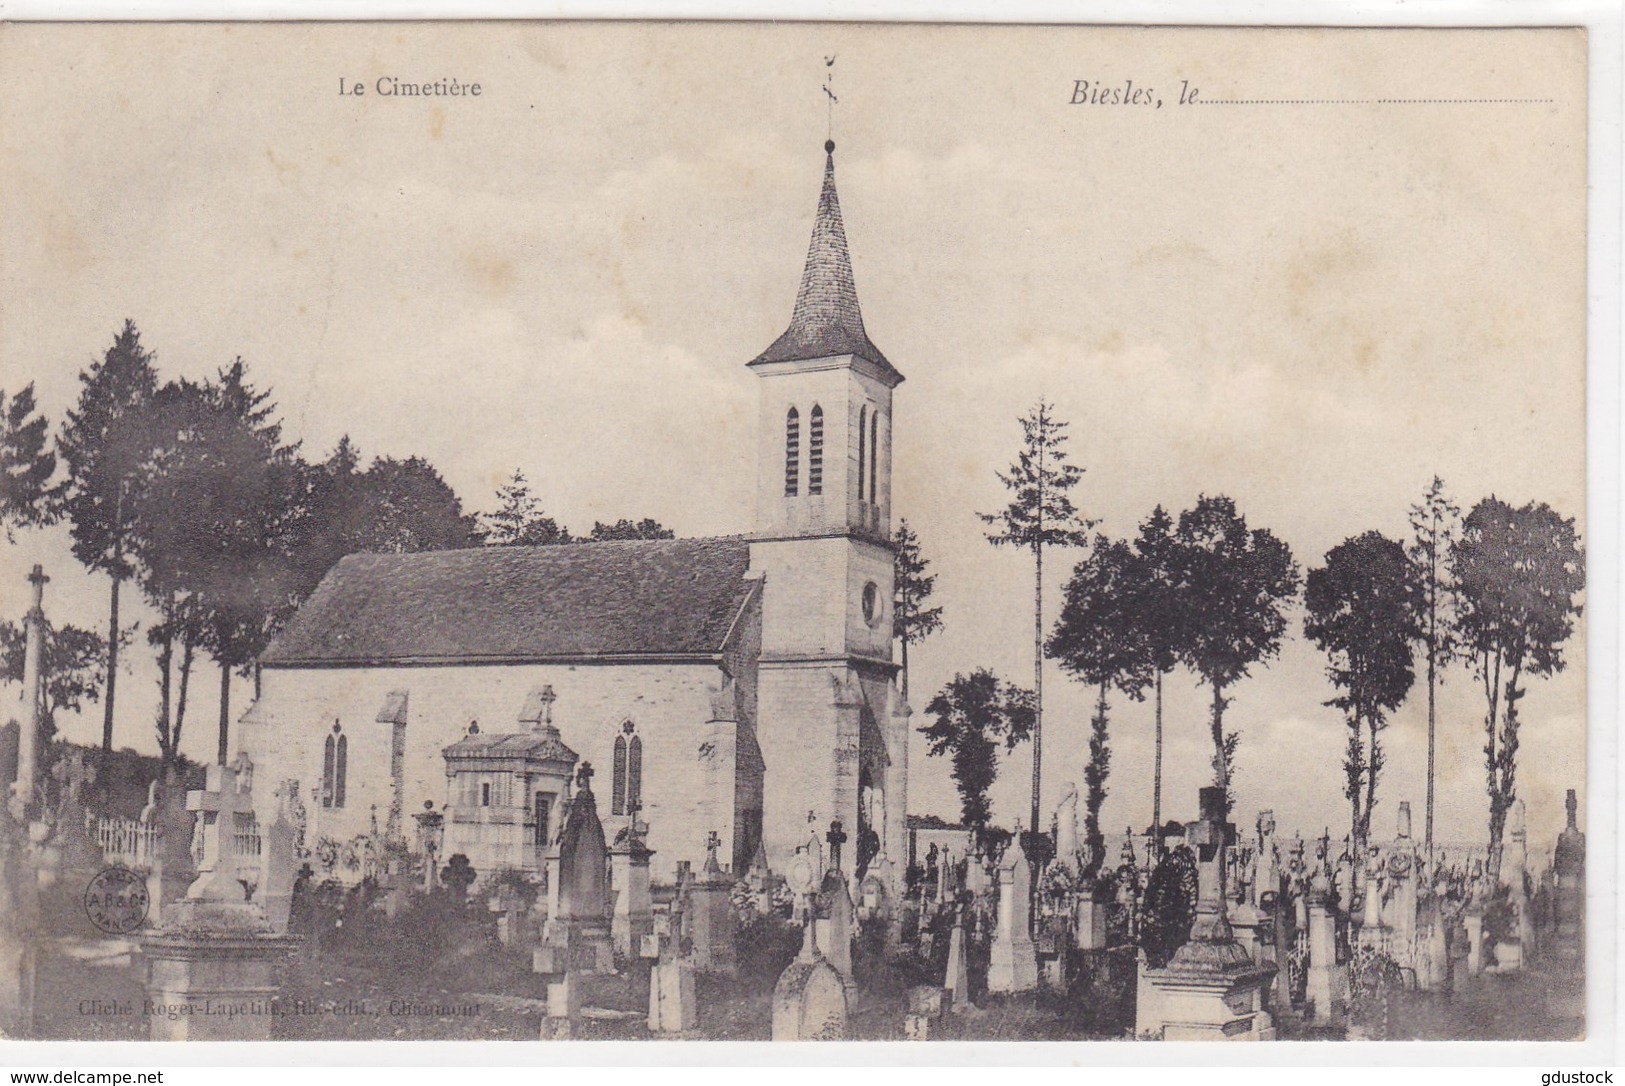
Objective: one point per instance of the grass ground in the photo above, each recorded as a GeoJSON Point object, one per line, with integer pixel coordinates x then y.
{"type": "Point", "coordinates": [490, 994]}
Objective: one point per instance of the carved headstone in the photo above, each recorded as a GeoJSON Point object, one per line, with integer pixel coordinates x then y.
{"type": "Point", "coordinates": [1013, 966]}
{"type": "Point", "coordinates": [809, 1000]}
{"type": "Point", "coordinates": [1569, 878]}
{"type": "Point", "coordinates": [577, 936]}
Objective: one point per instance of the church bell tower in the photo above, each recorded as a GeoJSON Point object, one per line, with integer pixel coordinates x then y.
{"type": "Point", "coordinates": [822, 547]}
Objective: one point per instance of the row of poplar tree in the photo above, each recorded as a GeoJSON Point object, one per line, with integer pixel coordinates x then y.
{"type": "Point", "coordinates": [1496, 591]}
{"type": "Point", "coordinates": [189, 491]}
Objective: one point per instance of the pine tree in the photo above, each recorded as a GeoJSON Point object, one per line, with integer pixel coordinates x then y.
{"type": "Point", "coordinates": [519, 521]}
{"type": "Point", "coordinates": [912, 621]}
{"type": "Point", "coordinates": [1435, 523]}
{"type": "Point", "coordinates": [1040, 514]}
{"type": "Point", "coordinates": [105, 446]}
{"type": "Point", "coordinates": [26, 465]}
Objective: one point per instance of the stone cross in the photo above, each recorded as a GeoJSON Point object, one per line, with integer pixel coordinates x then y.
{"type": "Point", "coordinates": [836, 838]}
{"type": "Point", "coordinates": [1210, 836]}
{"type": "Point", "coordinates": [226, 794]}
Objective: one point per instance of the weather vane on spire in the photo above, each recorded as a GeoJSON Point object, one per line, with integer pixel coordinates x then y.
{"type": "Point", "coordinates": [829, 92]}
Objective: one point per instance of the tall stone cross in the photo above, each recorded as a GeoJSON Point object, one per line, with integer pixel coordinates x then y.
{"type": "Point", "coordinates": [1210, 836]}
{"type": "Point", "coordinates": [227, 792]}
{"type": "Point", "coordinates": [836, 838]}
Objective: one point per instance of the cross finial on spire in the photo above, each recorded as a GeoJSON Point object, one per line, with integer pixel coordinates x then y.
{"type": "Point", "coordinates": [584, 776]}
{"type": "Point", "coordinates": [829, 93]}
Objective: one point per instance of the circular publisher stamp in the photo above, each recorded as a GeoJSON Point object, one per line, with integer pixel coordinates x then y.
{"type": "Point", "coordinates": [116, 901]}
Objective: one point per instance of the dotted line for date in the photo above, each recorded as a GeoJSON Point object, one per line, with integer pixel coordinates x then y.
{"type": "Point", "coordinates": [1373, 101]}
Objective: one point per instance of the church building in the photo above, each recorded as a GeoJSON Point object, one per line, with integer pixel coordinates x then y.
{"type": "Point", "coordinates": [742, 685]}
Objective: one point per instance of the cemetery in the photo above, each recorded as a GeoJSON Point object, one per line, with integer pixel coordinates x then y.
{"type": "Point", "coordinates": [212, 916]}
{"type": "Point", "coordinates": [404, 835]}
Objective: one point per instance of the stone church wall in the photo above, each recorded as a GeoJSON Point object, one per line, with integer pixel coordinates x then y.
{"type": "Point", "coordinates": [670, 704]}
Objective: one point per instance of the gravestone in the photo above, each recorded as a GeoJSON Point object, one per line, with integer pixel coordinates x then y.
{"type": "Point", "coordinates": [68, 857]}
{"type": "Point", "coordinates": [1210, 989]}
{"type": "Point", "coordinates": [1013, 965]}
{"type": "Point", "coordinates": [22, 792]}
{"type": "Point", "coordinates": [673, 1008]}
{"type": "Point", "coordinates": [713, 923]}
{"type": "Point", "coordinates": [19, 928]}
{"type": "Point", "coordinates": [576, 937]}
{"type": "Point", "coordinates": [633, 914]}
{"type": "Point", "coordinates": [227, 792]}
{"type": "Point", "coordinates": [214, 945]}
{"type": "Point", "coordinates": [173, 870]}
{"type": "Point", "coordinates": [1067, 848]}
{"type": "Point", "coordinates": [833, 927]}
{"type": "Point", "coordinates": [809, 1000]}
{"type": "Point", "coordinates": [1512, 953]}
{"type": "Point", "coordinates": [1568, 892]}
{"type": "Point", "coordinates": [956, 979]}
{"type": "Point", "coordinates": [1327, 982]}
{"type": "Point", "coordinates": [278, 858]}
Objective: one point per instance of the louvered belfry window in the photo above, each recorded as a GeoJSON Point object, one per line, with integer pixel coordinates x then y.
{"type": "Point", "coordinates": [863, 450]}
{"type": "Point", "coordinates": [792, 453]}
{"type": "Point", "coordinates": [874, 457]}
{"type": "Point", "coordinates": [815, 451]}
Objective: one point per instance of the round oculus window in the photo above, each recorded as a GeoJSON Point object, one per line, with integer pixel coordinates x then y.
{"type": "Point", "coordinates": [871, 603]}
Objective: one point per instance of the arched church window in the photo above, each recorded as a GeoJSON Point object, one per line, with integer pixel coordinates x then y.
{"type": "Point", "coordinates": [617, 802]}
{"type": "Point", "coordinates": [335, 756]}
{"type": "Point", "coordinates": [634, 777]}
{"type": "Point", "coordinates": [626, 795]}
{"type": "Point", "coordinates": [874, 456]}
{"type": "Point", "coordinates": [863, 450]}
{"type": "Point", "coordinates": [792, 452]}
{"type": "Point", "coordinates": [341, 770]}
{"type": "Point", "coordinates": [815, 451]}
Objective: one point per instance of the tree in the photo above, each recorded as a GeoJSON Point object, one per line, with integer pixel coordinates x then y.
{"type": "Point", "coordinates": [1100, 638]}
{"type": "Point", "coordinates": [1236, 581]}
{"type": "Point", "coordinates": [973, 713]}
{"type": "Point", "coordinates": [75, 667]}
{"type": "Point", "coordinates": [1434, 526]}
{"type": "Point", "coordinates": [104, 446]}
{"type": "Point", "coordinates": [410, 508]}
{"type": "Point", "coordinates": [1517, 573]}
{"type": "Point", "coordinates": [26, 465]}
{"type": "Point", "coordinates": [1040, 514]}
{"type": "Point", "coordinates": [519, 520]}
{"type": "Point", "coordinates": [1161, 615]}
{"type": "Point", "coordinates": [646, 528]}
{"type": "Point", "coordinates": [912, 621]}
{"type": "Point", "coordinates": [1362, 608]}
{"type": "Point", "coordinates": [213, 532]}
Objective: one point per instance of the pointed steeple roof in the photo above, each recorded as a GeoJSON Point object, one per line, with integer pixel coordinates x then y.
{"type": "Point", "coordinates": [827, 319]}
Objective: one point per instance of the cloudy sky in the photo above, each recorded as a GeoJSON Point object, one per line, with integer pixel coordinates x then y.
{"type": "Point", "coordinates": [1311, 308]}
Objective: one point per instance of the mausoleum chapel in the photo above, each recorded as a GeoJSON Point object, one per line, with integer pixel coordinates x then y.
{"type": "Point", "coordinates": [740, 685]}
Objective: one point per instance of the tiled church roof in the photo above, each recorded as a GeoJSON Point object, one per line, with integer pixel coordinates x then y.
{"type": "Point", "coordinates": [667, 597]}
{"type": "Point", "coordinates": [826, 320]}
